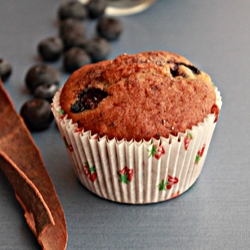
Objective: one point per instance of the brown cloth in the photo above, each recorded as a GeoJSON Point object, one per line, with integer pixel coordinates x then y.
{"type": "Point", "coordinates": [21, 162]}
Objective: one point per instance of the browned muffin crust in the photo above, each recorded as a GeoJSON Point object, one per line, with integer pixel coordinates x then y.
{"type": "Point", "coordinates": [140, 96]}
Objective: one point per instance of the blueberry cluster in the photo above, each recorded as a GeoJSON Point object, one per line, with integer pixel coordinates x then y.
{"type": "Point", "coordinates": [76, 50]}
{"type": "Point", "coordinates": [72, 43]}
{"type": "Point", "coordinates": [42, 80]}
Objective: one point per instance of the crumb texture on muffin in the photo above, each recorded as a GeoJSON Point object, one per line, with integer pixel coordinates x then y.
{"type": "Point", "coordinates": [139, 96]}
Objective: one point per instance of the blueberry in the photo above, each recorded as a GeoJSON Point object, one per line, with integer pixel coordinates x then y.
{"type": "Point", "coordinates": [73, 39]}
{"type": "Point", "coordinates": [98, 48]}
{"type": "Point", "coordinates": [74, 59]}
{"type": "Point", "coordinates": [71, 25]}
{"type": "Point", "coordinates": [72, 9]}
{"type": "Point", "coordinates": [175, 70]}
{"type": "Point", "coordinates": [50, 49]}
{"type": "Point", "coordinates": [96, 8]}
{"type": "Point", "coordinates": [192, 68]}
{"type": "Point", "coordinates": [88, 99]}
{"type": "Point", "coordinates": [36, 114]}
{"type": "Point", "coordinates": [5, 69]}
{"type": "Point", "coordinates": [109, 28]}
{"type": "Point", "coordinates": [46, 91]}
{"type": "Point", "coordinates": [40, 74]}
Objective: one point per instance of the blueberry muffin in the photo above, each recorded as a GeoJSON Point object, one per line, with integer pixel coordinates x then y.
{"type": "Point", "coordinates": [137, 128]}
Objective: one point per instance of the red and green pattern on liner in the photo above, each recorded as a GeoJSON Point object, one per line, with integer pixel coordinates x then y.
{"type": "Point", "coordinates": [61, 113]}
{"type": "Point", "coordinates": [187, 140]}
{"type": "Point", "coordinates": [156, 151]}
{"type": "Point", "coordinates": [167, 185]}
{"type": "Point", "coordinates": [90, 172]}
{"type": "Point", "coordinates": [200, 154]}
{"type": "Point", "coordinates": [126, 175]}
{"type": "Point", "coordinates": [68, 146]}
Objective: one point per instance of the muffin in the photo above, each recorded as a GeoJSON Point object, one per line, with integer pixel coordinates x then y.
{"type": "Point", "coordinates": [137, 128]}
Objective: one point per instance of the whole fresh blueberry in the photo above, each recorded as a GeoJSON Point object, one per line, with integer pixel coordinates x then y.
{"type": "Point", "coordinates": [98, 48]}
{"type": "Point", "coordinates": [72, 9]}
{"type": "Point", "coordinates": [109, 28]}
{"type": "Point", "coordinates": [36, 114]}
{"type": "Point", "coordinates": [74, 59]}
{"type": "Point", "coordinates": [40, 74]}
{"type": "Point", "coordinates": [46, 91]}
{"type": "Point", "coordinates": [71, 25]}
{"type": "Point", "coordinates": [73, 39]}
{"type": "Point", "coordinates": [50, 49]}
{"type": "Point", "coordinates": [96, 8]}
{"type": "Point", "coordinates": [5, 69]}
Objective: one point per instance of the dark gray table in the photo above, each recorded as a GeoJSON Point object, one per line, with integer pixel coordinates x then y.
{"type": "Point", "coordinates": [214, 213]}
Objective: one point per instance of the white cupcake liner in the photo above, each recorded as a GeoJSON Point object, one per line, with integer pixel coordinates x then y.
{"type": "Point", "coordinates": [136, 172]}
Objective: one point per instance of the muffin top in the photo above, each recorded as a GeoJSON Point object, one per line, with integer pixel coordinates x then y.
{"type": "Point", "coordinates": [139, 96]}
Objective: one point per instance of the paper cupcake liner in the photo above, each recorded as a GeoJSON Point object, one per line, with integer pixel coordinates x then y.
{"type": "Point", "coordinates": [136, 172]}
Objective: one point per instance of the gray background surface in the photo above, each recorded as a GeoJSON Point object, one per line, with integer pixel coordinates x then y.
{"type": "Point", "coordinates": [214, 213]}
